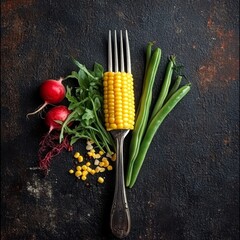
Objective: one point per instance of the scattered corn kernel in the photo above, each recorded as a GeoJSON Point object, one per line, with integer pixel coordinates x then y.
{"type": "Point", "coordinates": [78, 173]}
{"type": "Point", "coordinates": [84, 167]}
{"type": "Point", "coordinates": [80, 158]}
{"type": "Point", "coordinates": [97, 169]}
{"type": "Point", "coordinates": [101, 180]}
{"type": "Point", "coordinates": [89, 169]}
{"type": "Point", "coordinates": [90, 154]}
{"type": "Point", "coordinates": [101, 164]}
{"type": "Point", "coordinates": [104, 159]}
{"type": "Point", "coordinates": [101, 161]}
{"type": "Point", "coordinates": [77, 154]}
{"type": "Point", "coordinates": [89, 146]}
{"type": "Point", "coordinates": [101, 152]}
{"type": "Point", "coordinates": [84, 177]}
{"type": "Point", "coordinates": [85, 172]}
{"type": "Point", "coordinates": [106, 163]}
{"type": "Point", "coordinates": [97, 155]}
{"type": "Point", "coordinates": [109, 168]}
{"type": "Point", "coordinates": [114, 157]}
{"type": "Point", "coordinates": [79, 168]}
{"type": "Point", "coordinates": [102, 169]}
{"type": "Point", "coordinates": [96, 162]}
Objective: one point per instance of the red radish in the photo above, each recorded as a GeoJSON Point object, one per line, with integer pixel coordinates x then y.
{"type": "Point", "coordinates": [58, 113]}
{"type": "Point", "coordinates": [52, 92]}
{"type": "Point", "coordinates": [49, 145]}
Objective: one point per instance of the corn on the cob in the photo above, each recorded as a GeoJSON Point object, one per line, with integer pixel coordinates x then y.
{"type": "Point", "coordinates": [119, 102]}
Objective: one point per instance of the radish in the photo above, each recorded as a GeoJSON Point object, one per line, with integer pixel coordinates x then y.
{"type": "Point", "coordinates": [58, 113]}
{"type": "Point", "coordinates": [52, 92]}
{"type": "Point", "coordinates": [49, 145]}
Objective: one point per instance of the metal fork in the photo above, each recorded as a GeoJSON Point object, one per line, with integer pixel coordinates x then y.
{"type": "Point", "coordinates": [120, 222]}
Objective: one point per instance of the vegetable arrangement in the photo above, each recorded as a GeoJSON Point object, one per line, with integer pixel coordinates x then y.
{"type": "Point", "coordinates": [88, 111]}
{"type": "Point", "coordinates": [147, 125]}
{"type": "Point", "coordinates": [81, 119]}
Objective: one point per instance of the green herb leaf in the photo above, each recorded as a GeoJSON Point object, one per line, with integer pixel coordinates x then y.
{"type": "Point", "coordinates": [86, 104]}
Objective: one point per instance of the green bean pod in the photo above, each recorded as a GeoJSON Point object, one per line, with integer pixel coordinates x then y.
{"type": "Point", "coordinates": [165, 87]}
{"type": "Point", "coordinates": [174, 87]}
{"type": "Point", "coordinates": [152, 129]}
{"type": "Point", "coordinates": [143, 111]}
{"type": "Point", "coordinates": [148, 58]}
{"type": "Point", "coordinates": [148, 54]}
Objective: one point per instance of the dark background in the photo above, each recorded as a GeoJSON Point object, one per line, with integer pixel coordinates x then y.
{"type": "Point", "coordinates": [188, 187]}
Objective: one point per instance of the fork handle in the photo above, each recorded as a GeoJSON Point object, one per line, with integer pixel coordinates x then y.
{"type": "Point", "coordinates": [120, 221]}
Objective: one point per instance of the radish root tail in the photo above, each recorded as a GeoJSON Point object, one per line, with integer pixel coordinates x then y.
{"type": "Point", "coordinates": [38, 110]}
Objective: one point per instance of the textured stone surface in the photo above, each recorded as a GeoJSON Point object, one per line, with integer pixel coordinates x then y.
{"type": "Point", "coordinates": [188, 187]}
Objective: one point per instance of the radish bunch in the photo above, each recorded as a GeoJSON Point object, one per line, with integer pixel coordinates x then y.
{"type": "Point", "coordinates": [52, 92]}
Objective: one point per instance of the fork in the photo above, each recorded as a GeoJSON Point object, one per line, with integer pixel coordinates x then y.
{"type": "Point", "coordinates": [120, 222]}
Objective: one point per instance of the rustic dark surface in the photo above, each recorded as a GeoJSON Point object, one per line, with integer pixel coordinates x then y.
{"type": "Point", "coordinates": [188, 187]}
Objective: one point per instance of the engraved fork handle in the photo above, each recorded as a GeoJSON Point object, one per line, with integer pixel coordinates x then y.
{"type": "Point", "coordinates": [120, 221]}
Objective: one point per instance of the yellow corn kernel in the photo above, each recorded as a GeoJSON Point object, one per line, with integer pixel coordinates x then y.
{"type": "Point", "coordinates": [113, 126]}
{"type": "Point", "coordinates": [80, 158]}
{"type": "Point", "coordinates": [88, 164]}
{"type": "Point", "coordinates": [93, 172]}
{"type": "Point", "coordinates": [101, 180]}
{"type": "Point", "coordinates": [97, 155]}
{"type": "Point", "coordinates": [85, 172]}
{"type": "Point", "coordinates": [101, 152]}
{"type": "Point", "coordinates": [89, 169]}
{"type": "Point", "coordinates": [97, 169]}
{"type": "Point", "coordinates": [79, 168]}
{"type": "Point", "coordinates": [105, 162]}
{"type": "Point", "coordinates": [84, 177]}
{"type": "Point", "coordinates": [77, 154]}
{"type": "Point", "coordinates": [101, 164]}
{"type": "Point", "coordinates": [109, 167]}
{"type": "Point", "coordinates": [71, 171]}
{"type": "Point", "coordinates": [104, 159]}
{"type": "Point", "coordinates": [102, 169]}
{"type": "Point", "coordinates": [90, 154]}
{"type": "Point", "coordinates": [78, 173]}
{"type": "Point", "coordinates": [114, 157]}
{"type": "Point", "coordinates": [84, 167]}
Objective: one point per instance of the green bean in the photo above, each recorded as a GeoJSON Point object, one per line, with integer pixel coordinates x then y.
{"type": "Point", "coordinates": [148, 58]}
{"type": "Point", "coordinates": [165, 87]}
{"type": "Point", "coordinates": [174, 87]}
{"type": "Point", "coordinates": [143, 112]}
{"type": "Point", "coordinates": [152, 129]}
{"type": "Point", "coordinates": [148, 54]}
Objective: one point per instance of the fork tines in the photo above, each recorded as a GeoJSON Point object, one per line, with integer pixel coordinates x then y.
{"type": "Point", "coordinates": [116, 49]}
